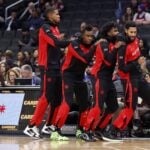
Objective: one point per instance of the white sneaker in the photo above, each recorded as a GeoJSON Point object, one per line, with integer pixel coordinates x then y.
{"type": "Point", "coordinates": [32, 132]}
{"type": "Point", "coordinates": [48, 129]}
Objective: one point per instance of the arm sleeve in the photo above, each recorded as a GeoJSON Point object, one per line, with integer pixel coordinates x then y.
{"type": "Point", "coordinates": [53, 40]}
{"type": "Point", "coordinates": [121, 61]}
{"type": "Point", "coordinates": [147, 16]}
{"type": "Point", "coordinates": [134, 17]}
{"type": "Point", "coordinates": [87, 56]}
{"type": "Point", "coordinates": [108, 56]}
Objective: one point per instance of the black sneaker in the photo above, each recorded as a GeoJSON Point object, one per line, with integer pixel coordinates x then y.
{"type": "Point", "coordinates": [87, 136]}
{"type": "Point", "coordinates": [110, 134]}
{"type": "Point", "coordinates": [126, 133]}
{"type": "Point", "coordinates": [137, 133]}
{"type": "Point", "coordinates": [94, 136]}
{"type": "Point", "coordinates": [99, 133]}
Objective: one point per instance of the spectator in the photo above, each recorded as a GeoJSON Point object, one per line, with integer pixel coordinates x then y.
{"type": "Point", "coordinates": [2, 12]}
{"type": "Point", "coordinates": [2, 83]}
{"type": "Point", "coordinates": [26, 39]}
{"type": "Point", "coordinates": [58, 4]}
{"type": "Point", "coordinates": [17, 69]}
{"type": "Point", "coordinates": [82, 26]}
{"type": "Point", "coordinates": [28, 58]}
{"type": "Point", "coordinates": [96, 32]}
{"type": "Point", "coordinates": [146, 4]}
{"type": "Point", "coordinates": [35, 21]}
{"type": "Point", "coordinates": [27, 73]}
{"type": "Point", "coordinates": [9, 54]}
{"type": "Point", "coordinates": [147, 78]}
{"type": "Point", "coordinates": [21, 59]}
{"type": "Point", "coordinates": [35, 58]}
{"type": "Point", "coordinates": [144, 48]}
{"type": "Point", "coordinates": [3, 69]}
{"type": "Point", "coordinates": [9, 59]}
{"type": "Point", "coordinates": [11, 76]}
{"type": "Point", "coordinates": [134, 5]}
{"type": "Point", "coordinates": [128, 15]}
{"type": "Point", "coordinates": [28, 12]}
{"type": "Point", "coordinates": [12, 23]}
{"type": "Point", "coordinates": [141, 17]}
{"type": "Point", "coordinates": [2, 57]}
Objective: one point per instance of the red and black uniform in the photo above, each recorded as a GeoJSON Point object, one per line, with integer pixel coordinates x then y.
{"type": "Point", "coordinates": [73, 69]}
{"type": "Point", "coordinates": [49, 62]}
{"type": "Point", "coordinates": [130, 74]}
{"type": "Point", "coordinates": [104, 88]}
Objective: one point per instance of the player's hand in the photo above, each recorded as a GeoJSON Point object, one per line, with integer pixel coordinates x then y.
{"type": "Point", "coordinates": [88, 70]}
{"type": "Point", "coordinates": [147, 78]}
{"type": "Point", "coordinates": [119, 44]}
{"type": "Point", "coordinates": [100, 40]}
{"type": "Point", "coordinates": [141, 60]}
{"type": "Point", "coordinates": [66, 50]}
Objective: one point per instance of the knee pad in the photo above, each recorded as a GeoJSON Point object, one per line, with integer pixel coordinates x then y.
{"type": "Point", "coordinates": [124, 118]}
{"type": "Point", "coordinates": [61, 115]}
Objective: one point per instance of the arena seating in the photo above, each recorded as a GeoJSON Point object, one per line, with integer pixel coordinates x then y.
{"type": "Point", "coordinates": [76, 11]}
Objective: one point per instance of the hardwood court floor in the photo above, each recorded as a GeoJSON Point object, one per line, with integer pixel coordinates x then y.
{"type": "Point", "coordinates": [26, 143]}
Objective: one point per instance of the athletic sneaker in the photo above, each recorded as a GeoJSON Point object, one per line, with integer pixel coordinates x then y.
{"type": "Point", "coordinates": [32, 132]}
{"type": "Point", "coordinates": [47, 129]}
{"type": "Point", "coordinates": [94, 136]}
{"type": "Point", "coordinates": [109, 134]}
{"type": "Point", "coordinates": [99, 133]}
{"type": "Point", "coordinates": [87, 136]}
{"type": "Point", "coordinates": [55, 136]}
{"type": "Point", "coordinates": [78, 133]}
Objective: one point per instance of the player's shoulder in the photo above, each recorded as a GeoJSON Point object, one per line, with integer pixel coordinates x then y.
{"type": "Point", "coordinates": [46, 27]}
{"type": "Point", "coordinates": [75, 44]}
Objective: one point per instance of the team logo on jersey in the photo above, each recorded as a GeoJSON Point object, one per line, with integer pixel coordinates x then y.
{"type": "Point", "coordinates": [135, 52]}
{"type": "Point", "coordinates": [105, 49]}
{"type": "Point", "coordinates": [76, 47]}
{"type": "Point", "coordinates": [66, 86]}
{"type": "Point", "coordinates": [120, 57]}
{"type": "Point", "coordinates": [135, 90]}
{"type": "Point", "coordinates": [102, 92]}
{"type": "Point", "coordinates": [49, 79]}
{"type": "Point", "coordinates": [47, 30]}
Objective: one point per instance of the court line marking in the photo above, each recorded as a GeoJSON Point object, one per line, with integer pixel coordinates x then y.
{"type": "Point", "coordinates": [110, 147]}
{"type": "Point", "coordinates": [141, 148]}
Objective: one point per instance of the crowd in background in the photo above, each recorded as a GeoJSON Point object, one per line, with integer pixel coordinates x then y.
{"type": "Point", "coordinates": [33, 17]}
{"type": "Point", "coordinates": [24, 64]}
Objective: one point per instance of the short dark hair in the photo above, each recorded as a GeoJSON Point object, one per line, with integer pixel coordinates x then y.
{"type": "Point", "coordinates": [88, 27]}
{"type": "Point", "coordinates": [130, 24]}
{"type": "Point", "coordinates": [107, 27]}
{"type": "Point", "coordinates": [50, 10]}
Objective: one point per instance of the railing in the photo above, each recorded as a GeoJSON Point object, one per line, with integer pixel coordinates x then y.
{"type": "Point", "coordinates": [14, 4]}
{"type": "Point", "coordinates": [25, 11]}
{"type": "Point", "coordinates": [10, 6]}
